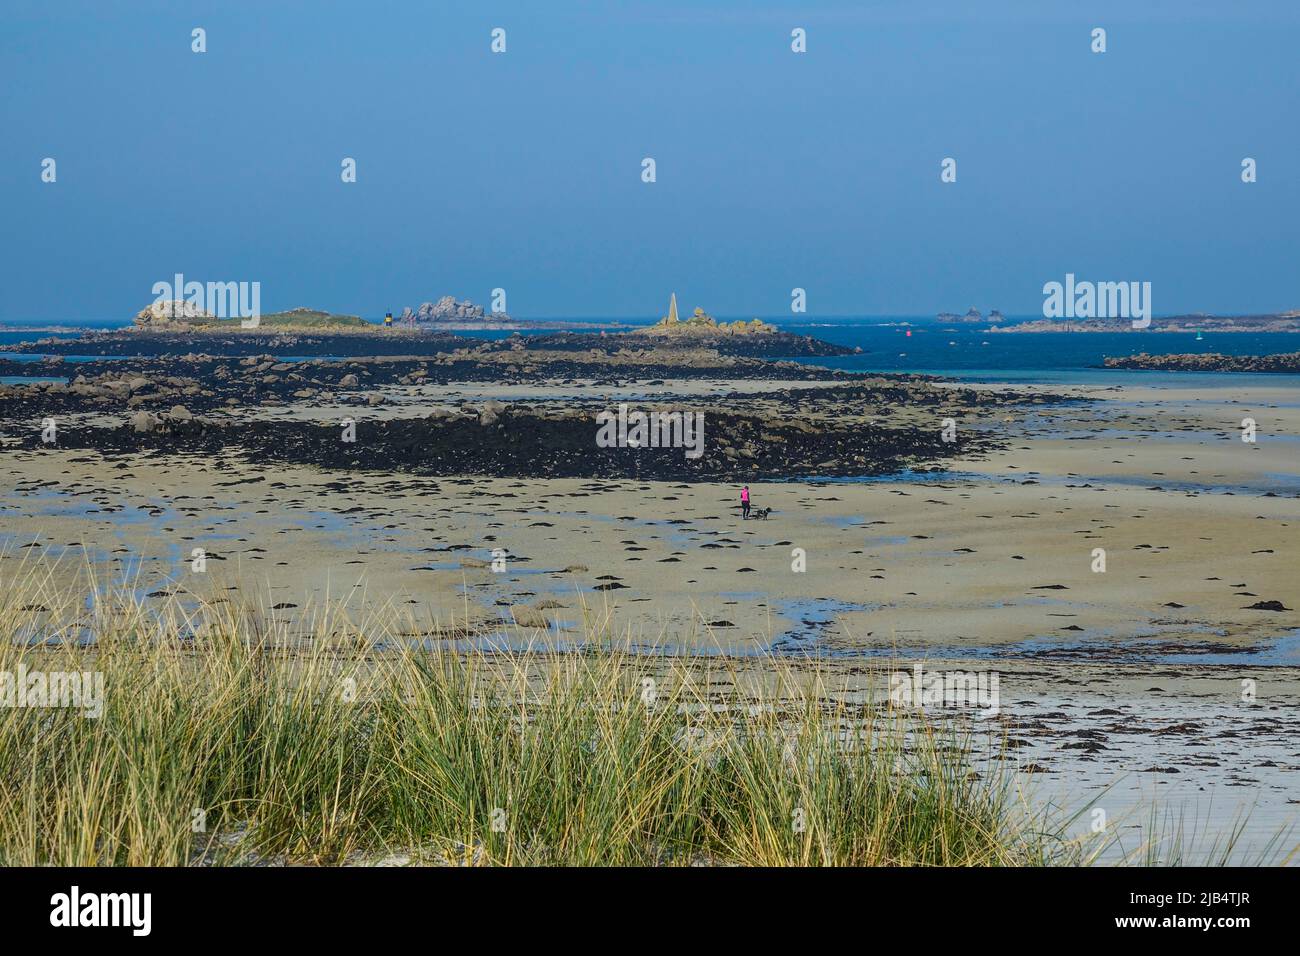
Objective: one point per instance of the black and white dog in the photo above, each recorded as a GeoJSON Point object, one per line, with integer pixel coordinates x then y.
{"type": "Point", "coordinates": [762, 513]}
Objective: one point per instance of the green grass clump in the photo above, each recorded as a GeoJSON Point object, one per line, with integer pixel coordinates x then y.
{"type": "Point", "coordinates": [229, 738]}
{"type": "Point", "coordinates": [311, 319]}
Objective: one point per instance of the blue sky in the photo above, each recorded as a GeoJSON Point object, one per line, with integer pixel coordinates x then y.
{"type": "Point", "coordinates": [523, 170]}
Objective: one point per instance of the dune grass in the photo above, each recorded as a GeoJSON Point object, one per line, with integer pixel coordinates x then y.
{"type": "Point", "coordinates": [227, 737]}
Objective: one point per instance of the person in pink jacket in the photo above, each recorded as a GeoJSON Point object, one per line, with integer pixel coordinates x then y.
{"type": "Point", "coordinates": [744, 503]}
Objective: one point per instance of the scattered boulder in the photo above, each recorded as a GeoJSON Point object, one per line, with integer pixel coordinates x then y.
{"type": "Point", "coordinates": [172, 314]}
{"type": "Point", "coordinates": [144, 422]}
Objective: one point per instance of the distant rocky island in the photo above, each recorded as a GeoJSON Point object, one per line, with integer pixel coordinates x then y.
{"type": "Point", "coordinates": [972, 316]}
{"type": "Point", "coordinates": [185, 329]}
{"type": "Point", "coordinates": [446, 314]}
{"type": "Point", "coordinates": [1209, 362]}
{"type": "Point", "coordinates": [702, 325]}
{"type": "Point", "coordinates": [449, 312]}
{"type": "Point", "coordinates": [179, 316]}
{"type": "Point", "coordinates": [1193, 322]}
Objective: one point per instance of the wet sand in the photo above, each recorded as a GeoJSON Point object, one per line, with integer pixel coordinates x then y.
{"type": "Point", "coordinates": [1001, 550]}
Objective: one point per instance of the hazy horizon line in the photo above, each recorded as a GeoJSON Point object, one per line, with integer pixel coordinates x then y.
{"type": "Point", "coordinates": [829, 316]}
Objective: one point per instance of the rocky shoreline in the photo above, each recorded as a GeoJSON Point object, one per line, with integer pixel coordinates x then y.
{"type": "Point", "coordinates": [417, 411]}
{"type": "Point", "coordinates": [832, 429]}
{"type": "Point", "coordinates": [204, 382]}
{"type": "Point", "coordinates": [417, 342]}
{"type": "Point", "coordinates": [143, 342]}
{"type": "Point", "coordinates": [515, 441]}
{"type": "Point", "coordinates": [1271, 322]}
{"type": "Point", "coordinates": [1210, 362]}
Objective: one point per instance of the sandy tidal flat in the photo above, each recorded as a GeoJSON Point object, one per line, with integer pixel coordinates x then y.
{"type": "Point", "coordinates": [992, 563]}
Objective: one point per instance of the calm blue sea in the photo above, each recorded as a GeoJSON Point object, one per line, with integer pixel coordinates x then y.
{"type": "Point", "coordinates": [1047, 357]}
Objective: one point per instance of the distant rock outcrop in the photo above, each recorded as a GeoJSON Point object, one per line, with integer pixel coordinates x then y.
{"type": "Point", "coordinates": [181, 316]}
{"type": "Point", "coordinates": [1195, 322]}
{"type": "Point", "coordinates": [448, 309]}
{"type": "Point", "coordinates": [701, 323]}
{"type": "Point", "coordinates": [1209, 362]}
{"type": "Point", "coordinates": [172, 314]}
{"type": "Point", "coordinates": [973, 315]}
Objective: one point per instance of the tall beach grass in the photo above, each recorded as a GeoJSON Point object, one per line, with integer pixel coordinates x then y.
{"type": "Point", "coordinates": [227, 736]}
